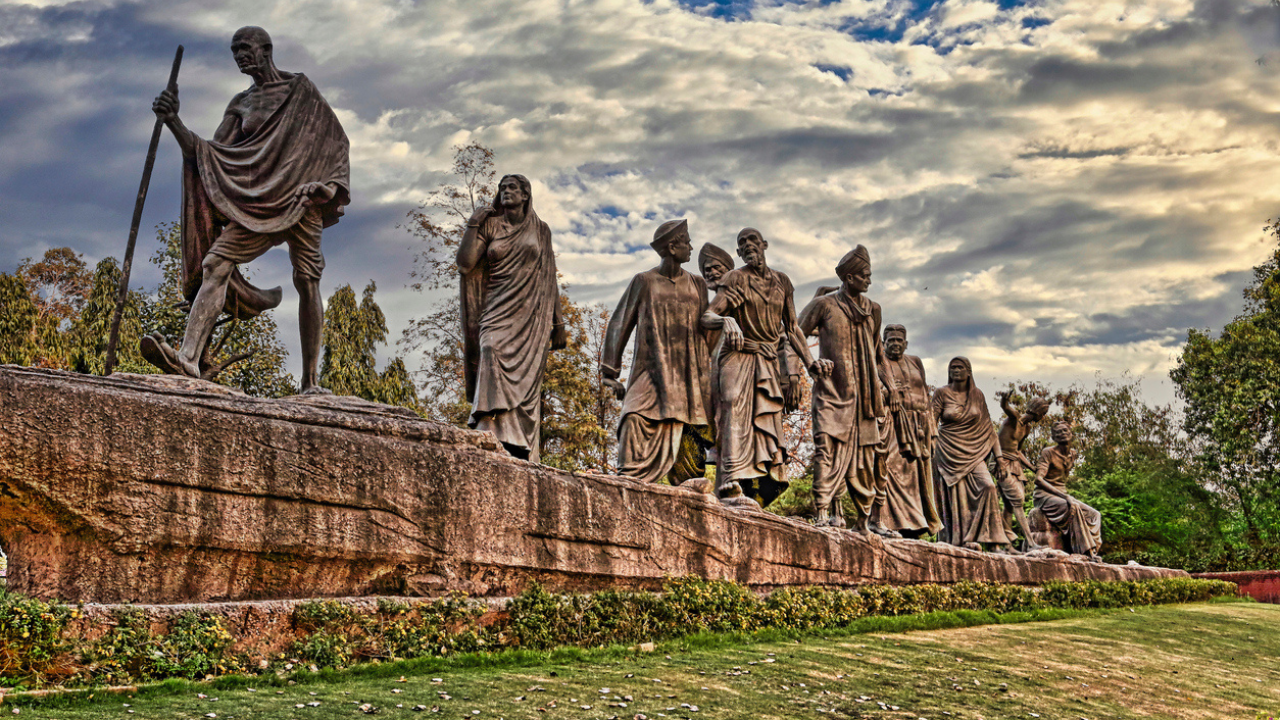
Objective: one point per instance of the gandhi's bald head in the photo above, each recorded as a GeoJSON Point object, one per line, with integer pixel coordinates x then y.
{"type": "Point", "coordinates": [251, 47]}
{"type": "Point", "coordinates": [252, 33]}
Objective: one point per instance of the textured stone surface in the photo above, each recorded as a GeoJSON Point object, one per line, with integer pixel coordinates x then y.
{"type": "Point", "coordinates": [163, 490]}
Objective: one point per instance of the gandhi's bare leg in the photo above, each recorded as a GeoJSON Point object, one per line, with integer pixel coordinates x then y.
{"type": "Point", "coordinates": [311, 328]}
{"type": "Point", "coordinates": [204, 312]}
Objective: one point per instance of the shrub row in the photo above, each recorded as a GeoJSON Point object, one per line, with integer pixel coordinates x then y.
{"type": "Point", "coordinates": [38, 647]}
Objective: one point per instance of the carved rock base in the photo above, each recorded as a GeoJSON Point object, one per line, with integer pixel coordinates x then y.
{"type": "Point", "coordinates": [152, 489]}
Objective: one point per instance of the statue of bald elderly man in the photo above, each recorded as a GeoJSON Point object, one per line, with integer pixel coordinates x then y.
{"type": "Point", "coordinates": [276, 172]}
{"type": "Point", "coordinates": [754, 309]}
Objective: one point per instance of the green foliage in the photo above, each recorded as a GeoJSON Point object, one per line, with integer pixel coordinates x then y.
{"type": "Point", "coordinates": [33, 646]}
{"type": "Point", "coordinates": [63, 320]}
{"type": "Point", "coordinates": [90, 332]}
{"type": "Point", "coordinates": [336, 635]}
{"type": "Point", "coordinates": [122, 654]}
{"type": "Point", "coordinates": [196, 646]}
{"type": "Point", "coordinates": [352, 334]}
{"type": "Point", "coordinates": [574, 435]}
{"type": "Point", "coordinates": [36, 648]}
{"type": "Point", "coordinates": [18, 322]}
{"type": "Point", "coordinates": [1159, 505]}
{"type": "Point", "coordinates": [1231, 387]}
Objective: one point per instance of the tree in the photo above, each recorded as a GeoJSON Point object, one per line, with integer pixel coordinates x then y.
{"type": "Point", "coordinates": [19, 320]}
{"type": "Point", "coordinates": [86, 342]}
{"type": "Point", "coordinates": [439, 224]}
{"type": "Point", "coordinates": [1231, 387]}
{"type": "Point", "coordinates": [573, 436]}
{"type": "Point", "coordinates": [607, 409]}
{"type": "Point", "coordinates": [352, 334]}
{"type": "Point", "coordinates": [263, 373]}
{"type": "Point", "coordinates": [59, 284]}
{"type": "Point", "coordinates": [44, 299]}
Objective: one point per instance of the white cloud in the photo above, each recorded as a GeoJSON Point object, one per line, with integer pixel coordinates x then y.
{"type": "Point", "coordinates": [1021, 185]}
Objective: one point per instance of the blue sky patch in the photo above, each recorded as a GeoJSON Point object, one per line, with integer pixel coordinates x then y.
{"type": "Point", "coordinates": [841, 71]}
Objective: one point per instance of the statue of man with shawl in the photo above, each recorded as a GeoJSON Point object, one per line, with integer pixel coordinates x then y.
{"type": "Point", "coordinates": [966, 443]}
{"type": "Point", "coordinates": [667, 392]}
{"type": "Point", "coordinates": [276, 172]}
{"type": "Point", "coordinates": [755, 310]}
{"type": "Point", "coordinates": [1012, 464]}
{"type": "Point", "coordinates": [511, 316]}
{"type": "Point", "coordinates": [849, 397]}
{"type": "Point", "coordinates": [909, 505]}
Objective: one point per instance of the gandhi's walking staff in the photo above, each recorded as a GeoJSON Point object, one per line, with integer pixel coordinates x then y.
{"type": "Point", "coordinates": [123, 295]}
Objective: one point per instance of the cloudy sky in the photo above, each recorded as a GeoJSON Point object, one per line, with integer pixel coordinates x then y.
{"type": "Point", "coordinates": [1056, 189]}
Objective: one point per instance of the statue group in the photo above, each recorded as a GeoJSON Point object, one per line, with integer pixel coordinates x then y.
{"type": "Point", "coordinates": [712, 376]}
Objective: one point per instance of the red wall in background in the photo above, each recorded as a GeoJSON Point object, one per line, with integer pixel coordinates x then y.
{"type": "Point", "coordinates": [1261, 585]}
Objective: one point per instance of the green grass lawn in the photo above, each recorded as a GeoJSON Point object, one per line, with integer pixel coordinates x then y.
{"type": "Point", "coordinates": [1215, 660]}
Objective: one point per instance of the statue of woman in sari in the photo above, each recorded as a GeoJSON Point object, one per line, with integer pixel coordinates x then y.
{"type": "Point", "coordinates": [966, 440]}
{"type": "Point", "coordinates": [510, 315]}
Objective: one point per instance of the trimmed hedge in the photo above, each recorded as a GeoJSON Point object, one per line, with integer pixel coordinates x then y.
{"type": "Point", "coordinates": [38, 649]}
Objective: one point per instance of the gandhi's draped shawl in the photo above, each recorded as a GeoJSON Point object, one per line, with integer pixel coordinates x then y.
{"type": "Point", "coordinates": [508, 305]}
{"type": "Point", "coordinates": [963, 442]}
{"type": "Point", "coordinates": [251, 181]}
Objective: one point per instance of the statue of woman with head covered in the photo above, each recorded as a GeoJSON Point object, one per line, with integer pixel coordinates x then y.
{"type": "Point", "coordinates": [510, 315]}
{"type": "Point", "coordinates": [966, 440]}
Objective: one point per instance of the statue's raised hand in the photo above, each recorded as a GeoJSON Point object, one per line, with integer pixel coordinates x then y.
{"type": "Point", "coordinates": [482, 213]}
{"type": "Point", "coordinates": [166, 105]}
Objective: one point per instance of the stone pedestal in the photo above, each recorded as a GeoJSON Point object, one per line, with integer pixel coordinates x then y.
{"type": "Point", "coordinates": [162, 490]}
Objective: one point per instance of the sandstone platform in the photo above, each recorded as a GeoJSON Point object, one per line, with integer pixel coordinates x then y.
{"type": "Point", "coordinates": [164, 490]}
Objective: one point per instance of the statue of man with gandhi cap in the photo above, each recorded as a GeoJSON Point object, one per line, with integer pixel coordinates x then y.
{"type": "Point", "coordinates": [667, 394]}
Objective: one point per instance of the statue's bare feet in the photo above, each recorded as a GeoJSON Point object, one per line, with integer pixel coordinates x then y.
{"type": "Point", "coordinates": [315, 390]}
{"type": "Point", "coordinates": [157, 351]}
{"type": "Point", "coordinates": [731, 495]}
{"type": "Point", "coordinates": [973, 546]}
{"type": "Point", "coordinates": [883, 531]}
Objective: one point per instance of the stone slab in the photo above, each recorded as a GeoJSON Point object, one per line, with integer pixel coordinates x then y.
{"type": "Point", "coordinates": [156, 489]}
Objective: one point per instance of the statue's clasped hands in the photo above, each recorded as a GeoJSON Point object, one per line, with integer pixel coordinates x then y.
{"type": "Point", "coordinates": [895, 399]}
